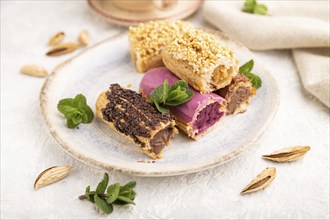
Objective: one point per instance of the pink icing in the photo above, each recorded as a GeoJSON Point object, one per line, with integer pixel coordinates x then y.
{"type": "Point", "coordinates": [186, 111]}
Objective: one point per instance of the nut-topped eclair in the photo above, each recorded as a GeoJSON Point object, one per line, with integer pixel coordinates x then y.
{"type": "Point", "coordinates": [196, 57]}
{"type": "Point", "coordinates": [148, 39]}
{"type": "Point", "coordinates": [194, 117]}
{"type": "Point", "coordinates": [128, 113]}
{"type": "Point", "coordinates": [238, 94]}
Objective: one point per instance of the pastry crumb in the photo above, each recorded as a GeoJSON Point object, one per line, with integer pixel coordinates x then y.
{"type": "Point", "coordinates": [149, 38]}
{"type": "Point", "coordinates": [200, 50]}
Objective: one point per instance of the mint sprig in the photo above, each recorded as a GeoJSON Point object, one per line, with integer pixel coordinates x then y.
{"type": "Point", "coordinates": [76, 111]}
{"type": "Point", "coordinates": [246, 70]}
{"type": "Point", "coordinates": [164, 95]}
{"type": "Point", "coordinates": [105, 196]}
{"type": "Point", "coordinates": [251, 6]}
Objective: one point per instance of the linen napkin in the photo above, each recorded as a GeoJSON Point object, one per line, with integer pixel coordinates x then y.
{"type": "Point", "coordinates": [300, 25]}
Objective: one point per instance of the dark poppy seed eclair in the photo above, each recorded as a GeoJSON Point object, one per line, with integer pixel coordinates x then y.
{"type": "Point", "coordinates": [128, 113]}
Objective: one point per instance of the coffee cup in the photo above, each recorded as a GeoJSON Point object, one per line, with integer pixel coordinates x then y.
{"type": "Point", "coordinates": [144, 5]}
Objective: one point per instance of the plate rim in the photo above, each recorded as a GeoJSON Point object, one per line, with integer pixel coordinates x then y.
{"type": "Point", "coordinates": [233, 154]}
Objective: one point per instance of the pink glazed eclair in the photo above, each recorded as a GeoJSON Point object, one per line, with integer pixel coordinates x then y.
{"type": "Point", "coordinates": [194, 117]}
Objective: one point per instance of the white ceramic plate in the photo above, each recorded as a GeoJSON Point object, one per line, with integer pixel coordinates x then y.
{"type": "Point", "coordinates": [107, 62]}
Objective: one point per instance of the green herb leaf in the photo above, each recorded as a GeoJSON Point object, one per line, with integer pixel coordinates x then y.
{"type": "Point", "coordinates": [75, 110]}
{"type": "Point", "coordinates": [255, 80]}
{"type": "Point", "coordinates": [179, 93]}
{"type": "Point", "coordinates": [79, 100]}
{"type": "Point", "coordinates": [77, 118]}
{"type": "Point", "coordinates": [178, 97]}
{"type": "Point", "coordinates": [164, 96]}
{"type": "Point", "coordinates": [88, 189]}
{"type": "Point", "coordinates": [89, 194]}
{"type": "Point", "coordinates": [102, 205]}
{"type": "Point", "coordinates": [251, 6]}
{"type": "Point", "coordinates": [165, 92]}
{"type": "Point", "coordinates": [66, 107]}
{"type": "Point", "coordinates": [81, 104]}
{"type": "Point", "coordinates": [125, 200]}
{"type": "Point", "coordinates": [131, 184]}
{"type": "Point", "coordinates": [70, 123]}
{"type": "Point", "coordinates": [129, 193]}
{"type": "Point", "coordinates": [102, 186]}
{"type": "Point", "coordinates": [88, 114]}
{"type": "Point", "coordinates": [246, 70]}
{"type": "Point", "coordinates": [247, 67]}
{"type": "Point", "coordinates": [177, 84]}
{"type": "Point", "coordinates": [158, 94]}
{"type": "Point", "coordinates": [260, 9]}
{"type": "Point", "coordinates": [113, 192]}
{"type": "Point", "coordinates": [161, 108]}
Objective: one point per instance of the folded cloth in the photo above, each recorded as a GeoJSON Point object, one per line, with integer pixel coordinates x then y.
{"type": "Point", "coordinates": [289, 24]}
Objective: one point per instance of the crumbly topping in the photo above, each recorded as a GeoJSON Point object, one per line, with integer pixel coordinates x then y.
{"type": "Point", "coordinates": [148, 39]}
{"type": "Point", "coordinates": [131, 114]}
{"type": "Point", "coordinates": [200, 50]}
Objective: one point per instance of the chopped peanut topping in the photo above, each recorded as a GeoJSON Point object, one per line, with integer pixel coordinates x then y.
{"type": "Point", "coordinates": [148, 39]}
{"type": "Point", "coordinates": [200, 50]}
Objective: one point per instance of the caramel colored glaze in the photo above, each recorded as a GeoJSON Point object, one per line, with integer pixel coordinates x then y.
{"type": "Point", "coordinates": [237, 92]}
{"type": "Point", "coordinates": [161, 139]}
{"type": "Point", "coordinates": [241, 94]}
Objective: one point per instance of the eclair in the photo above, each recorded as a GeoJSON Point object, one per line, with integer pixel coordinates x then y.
{"type": "Point", "coordinates": [238, 94]}
{"type": "Point", "coordinates": [129, 114]}
{"type": "Point", "coordinates": [148, 39]}
{"type": "Point", "coordinates": [196, 57]}
{"type": "Point", "coordinates": [194, 117]}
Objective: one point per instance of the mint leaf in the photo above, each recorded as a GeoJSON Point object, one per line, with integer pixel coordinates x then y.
{"type": "Point", "coordinates": [87, 194]}
{"type": "Point", "coordinates": [161, 108]}
{"type": "Point", "coordinates": [102, 186]}
{"type": "Point", "coordinates": [65, 106]}
{"type": "Point", "coordinates": [255, 80]}
{"type": "Point", "coordinates": [88, 189]}
{"type": "Point", "coordinates": [75, 110]}
{"type": "Point", "coordinates": [102, 205]}
{"type": "Point", "coordinates": [70, 123]}
{"type": "Point", "coordinates": [88, 113]}
{"type": "Point", "coordinates": [178, 97]}
{"type": "Point", "coordinates": [251, 6]}
{"type": "Point", "coordinates": [127, 190]}
{"type": "Point", "coordinates": [159, 94]}
{"type": "Point", "coordinates": [177, 84]}
{"type": "Point", "coordinates": [125, 200]}
{"type": "Point", "coordinates": [131, 184]}
{"type": "Point", "coordinates": [179, 93]}
{"type": "Point", "coordinates": [77, 118]}
{"type": "Point", "coordinates": [246, 70]}
{"type": "Point", "coordinates": [260, 9]}
{"type": "Point", "coordinates": [164, 96]}
{"type": "Point", "coordinates": [129, 193]}
{"type": "Point", "coordinates": [165, 92]}
{"type": "Point", "coordinates": [79, 100]}
{"type": "Point", "coordinates": [113, 192]}
{"type": "Point", "coordinates": [247, 67]}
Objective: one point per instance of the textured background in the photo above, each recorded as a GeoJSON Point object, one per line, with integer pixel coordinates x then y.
{"type": "Point", "coordinates": [300, 190]}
